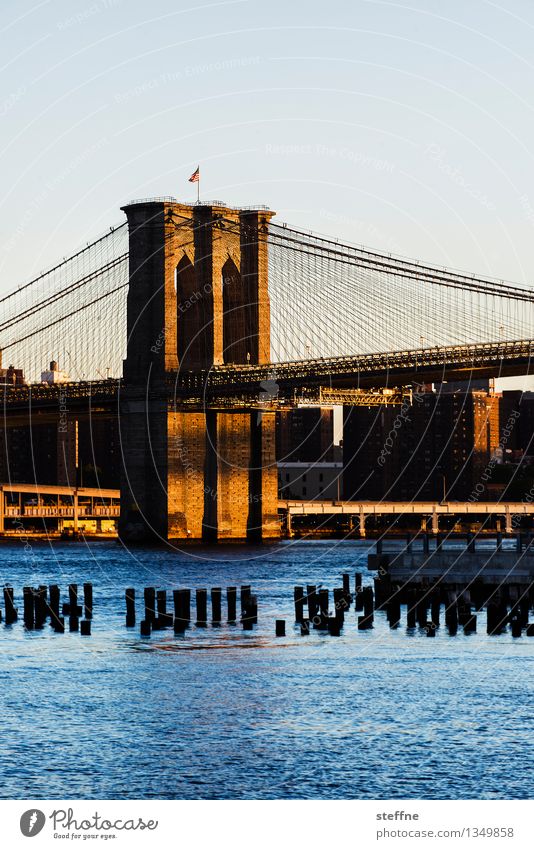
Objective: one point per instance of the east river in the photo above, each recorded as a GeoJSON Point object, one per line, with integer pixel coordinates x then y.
{"type": "Point", "coordinates": [222, 713]}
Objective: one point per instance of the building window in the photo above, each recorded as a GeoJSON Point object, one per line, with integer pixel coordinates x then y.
{"type": "Point", "coordinates": [304, 490]}
{"type": "Point", "coordinates": [321, 479]}
{"type": "Point", "coordinates": [304, 477]}
{"type": "Point", "coordinates": [287, 476]}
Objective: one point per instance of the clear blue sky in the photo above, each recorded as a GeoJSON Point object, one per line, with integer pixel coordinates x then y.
{"type": "Point", "coordinates": [407, 126]}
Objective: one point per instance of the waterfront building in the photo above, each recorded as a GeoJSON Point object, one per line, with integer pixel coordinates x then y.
{"type": "Point", "coordinates": [437, 448]}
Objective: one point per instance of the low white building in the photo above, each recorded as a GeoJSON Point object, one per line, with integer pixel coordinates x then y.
{"type": "Point", "coordinates": [54, 375]}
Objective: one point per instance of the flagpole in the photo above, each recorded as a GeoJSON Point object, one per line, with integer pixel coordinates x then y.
{"type": "Point", "coordinates": [198, 188]}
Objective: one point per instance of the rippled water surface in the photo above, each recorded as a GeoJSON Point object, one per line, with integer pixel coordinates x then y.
{"type": "Point", "coordinates": [222, 713]}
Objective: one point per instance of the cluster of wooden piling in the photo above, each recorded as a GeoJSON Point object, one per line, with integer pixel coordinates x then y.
{"type": "Point", "coordinates": [315, 602]}
{"type": "Point", "coordinates": [40, 604]}
{"type": "Point", "coordinates": [157, 617]}
{"type": "Point", "coordinates": [506, 605]}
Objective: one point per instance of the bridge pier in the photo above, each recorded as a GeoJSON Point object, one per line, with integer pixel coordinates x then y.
{"type": "Point", "coordinates": [508, 522]}
{"type": "Point", "coordinates": [199, 476]}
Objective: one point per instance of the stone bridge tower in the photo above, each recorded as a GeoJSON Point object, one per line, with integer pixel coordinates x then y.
{"type": "Point", "coordinates": [198, 297]}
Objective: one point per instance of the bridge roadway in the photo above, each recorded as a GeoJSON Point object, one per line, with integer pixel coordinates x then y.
{"type": "Point", "coordinates": [270, 384]}
{"type": "Point", "coordinates": [425, 509]}
{"type": "Point", "coordinates": [396, 368]}
{"type": "Point", "coordinates": [27, 501]}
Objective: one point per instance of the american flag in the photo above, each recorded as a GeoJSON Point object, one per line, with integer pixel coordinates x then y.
{"type": "Point", "coordinates": [195, 176]}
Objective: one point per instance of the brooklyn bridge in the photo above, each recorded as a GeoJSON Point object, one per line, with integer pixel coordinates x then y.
{"type": "Point", "coordinates": [185, 328]}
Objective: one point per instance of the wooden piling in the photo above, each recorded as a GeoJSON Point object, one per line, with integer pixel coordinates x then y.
{"type": "Point", "coordinates": [305, 627]}
{"type": "Point", "coordinates": [74, 623]}
{"type": "Point", "coordinates": [494, 619]}
{"type": "Point", "coordinates": [523, 612]}
{"type": "Point", "coordinates": [470, 625]}
{"type": "Point", "coordinates": [280, 627]}
{"type": "Point", "coordinates": [40, 605]}
{"type": "Point", "coordinates": [216, 606]}
{"type": "Point", "coordinates": [368, 601]}
{"type": "Point", "coordinates": [451, 614]}
{"type": "Point", "coordinates": [28, 607]}
{"type": "Point", "coordinates": [164, 618]}
{"type": "Point", "coordinates": [186, 605]}
{"type": "Point", "coordinates": [311, 594]}
{"type": "Point", "coordinates": [58, 624]}
{"type": "Point", "coordinates": [178, 625]}
{"type": "Point", "coordinates": [334, 626]}
{"type": "Point", "coordinates": [346, 589]}
{"type": "Point", "coordinates": [358, 596]}
{"type": "Point", "coordinates": [393, 612]}
{"type": "Point", "coordinates": [231, 601]}
{"type": "Point", "coordinates": [249, 606]}
{"type": "Point", "coordinates": [202, 608]}
{"type": "Point", "coordinates": [435, 609]}
{"type": "Point", "coordinates": [382, 591]}
{"type": "Point", "coordinates": [74, 608]}
{"type": "Point", "coordinates": [88, 600]}
{"type": "Point", "coordinates": [177, 604]}
{"type": "Point", "coordinates": [9, 605]}
{"type": "Point", "coordinates": [516, 627]}
{"type": "Point", "coordinates": [421, 611]}
{"type": "Point", "coordinates": [53, 601]}
{"type": "Point", "coordinates": [298, 597]}
{"type": "Point", "coordinates": [322, 596]}
{"type": "Point", "coordinates": [181, 612]}
{"type": "Point", "coordinates": [85, 627]}
{"type": "Point", "coordinates": [182, 609]}
{"type": "Point", "coordinates": [464, 610]}
{"type": "Point", "coordinates": [149, 597]}
{"type": "Point", "coordinates": [157, 624]}
{"type": "Point", "coordinates": [340, 604]}
{"type": "Point", "coordinates": [245, 593]}
{"type": "Point", "coordinates": [146, 627]}
{"type": "Point", "coordinates": [130, 607]}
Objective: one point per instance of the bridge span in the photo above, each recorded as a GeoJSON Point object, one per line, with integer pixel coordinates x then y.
{"type": "Point", "coordinates": [22, 503]}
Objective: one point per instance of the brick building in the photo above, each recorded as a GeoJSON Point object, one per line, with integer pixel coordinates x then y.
{"type": "Point", "coordinates": [436, 448]}
{"type": "Point", "coordinates": [305, 435]}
